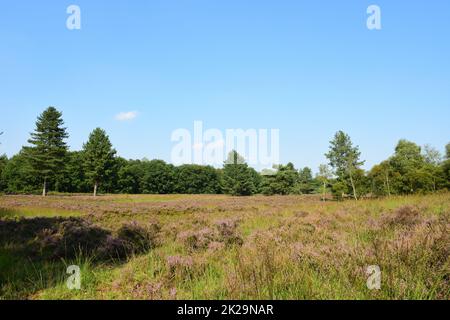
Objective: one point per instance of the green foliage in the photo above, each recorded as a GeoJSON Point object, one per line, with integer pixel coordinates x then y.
{"type": "Point", "coordinates": [381, 177]}
{"type": "Point", "coordinates": [48, 150]}
{"type": "Point", "coordinates": [408, 163]}
{"type": "Point", "coordinates": [18, 176]}
{"type": "Point", "coordinates": [238, 178]}
{"type": "Point", "coordinates": [446, 168]}
{"type": "Point", "coordinates": [323, 177]}
{"type": "Point", "coordinates": [283, 182]}
{"type": "Point", "coordinates": [99, 158]}
{"type": "Point", "coordinates": [306, 183]}
{"type": "Point", "coordinates": [3, 163]}
{"type": "Point", "coordinates": [73, 178]}
{"type": "Point", "coordinates": [130, 174]}
{"type": "Point", "coordinates": [345, 160]}
{"type": "Point", "coordinates": [343, 156]}
{"type": "Point", "coordinates": [339, 189]}
{"type": "Point", "coordinates": [195, 179]}
{"type": "Point", "coordinates": [158, 178]}
{"type": "Point", "coordinates": [431, 155]}
{"type": "Point", "coordinates": [410, 170]}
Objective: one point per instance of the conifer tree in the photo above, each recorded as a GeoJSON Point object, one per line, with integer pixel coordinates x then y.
{"type": "Point", "coordinates": [47, 153]}
{"type": "Point", "coordinates": [99, 158]}
{"type": "Point", "coordinates": [238, 179]}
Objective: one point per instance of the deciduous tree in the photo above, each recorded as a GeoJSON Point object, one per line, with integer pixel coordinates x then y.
{"type": "Point", "coordinates": [344, 159]}
{"type": "Point", "coordinates": [324, 176]}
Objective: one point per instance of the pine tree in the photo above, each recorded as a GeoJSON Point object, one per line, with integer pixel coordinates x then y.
{"type": "Point", "coordinates": [47, 153]}
{"type": "Point", "coordinates": [99, 158]}
{"type": "Point", "coordinates": [238, 179]}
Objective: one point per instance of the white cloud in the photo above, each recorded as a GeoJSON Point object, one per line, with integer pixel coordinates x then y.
{"type": "Point", "coordinates": [126, 116]}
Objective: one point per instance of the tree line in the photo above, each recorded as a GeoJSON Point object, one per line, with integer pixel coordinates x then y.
{"type": "Point", "coordinates": [47, 164]}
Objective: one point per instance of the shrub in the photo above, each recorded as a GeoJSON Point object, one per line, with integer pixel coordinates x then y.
{"type": "Point", "coordinates": [137, 238]}
{"type": "Point", "coordinates": [197, 240]}
{"type": "Point", "coordinates": [56, 238]}
{"type": "Point", "coordinates": [228, 231]}
{"type": "Point", "coordinates": [407, 216]}
{"type": "Point", "coordinates": [180, 267]}
{"type": "Point", "coordinates": [77, 236]}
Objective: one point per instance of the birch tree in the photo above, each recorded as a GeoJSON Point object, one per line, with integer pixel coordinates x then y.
{"type": "Point", "coordinates": [345, 159]}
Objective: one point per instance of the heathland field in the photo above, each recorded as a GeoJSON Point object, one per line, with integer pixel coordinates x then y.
{"type": "Point", "coordinates": [222, 247]}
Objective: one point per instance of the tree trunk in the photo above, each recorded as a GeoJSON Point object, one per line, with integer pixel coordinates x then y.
{"type": "Point", "coordinates": [44, 189]}
{"type": "Point", "coordinates": [388, 186]}
{"type": "Point", "coordinates": [95, 189]}
{"type": "Point", "coordinates": [324, 190]}
{"type": "Point", "coordinates": [353, 186]}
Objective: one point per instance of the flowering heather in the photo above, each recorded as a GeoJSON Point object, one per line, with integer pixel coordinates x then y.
{"type": "Point", "coordinates": [220, 247]}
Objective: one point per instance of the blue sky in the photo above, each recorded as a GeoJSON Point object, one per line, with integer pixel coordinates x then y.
{"type": "Point", "coordinates": [308, 68]}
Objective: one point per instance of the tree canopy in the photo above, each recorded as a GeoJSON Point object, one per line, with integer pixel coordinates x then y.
{"type": "Point", "coordinates": [47, 164]}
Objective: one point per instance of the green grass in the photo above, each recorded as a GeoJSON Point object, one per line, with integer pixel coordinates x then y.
{"type": "Point", "coordinates": [33, 212]}
{"type": "Point", "coordinates": [301, 249]}
{"type": "Point", "coordinates": [146, 198]}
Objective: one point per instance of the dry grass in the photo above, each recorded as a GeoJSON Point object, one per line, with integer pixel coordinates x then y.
{"type": "Point", "coordinates": [219, 247]}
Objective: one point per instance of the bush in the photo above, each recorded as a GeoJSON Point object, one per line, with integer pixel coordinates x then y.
{"type": "Point", "coordinates": [197, 240]}
{"type": "Point", "coordinates": [56, 238]}
{"type": "Point", "coordinates": [407, 216]}
{"type": "Point", "coordinates": [137, 238]}
{"type": "Point", "coordinates": [228, 232]}
{"type": "Point", "coordinates": [339, 189]}
{"type": "Point", "coordinates": [225, 233]}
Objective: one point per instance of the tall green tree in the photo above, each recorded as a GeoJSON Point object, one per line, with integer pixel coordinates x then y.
{"type": "Point", "coordinates": [237, 178]}
{"type": "Point", "coordinates": [306, 183]}
{"type": "Point", "coordinates": [48, 150]}
{"type": "Point", "coordinates": [345, 159]}
{"type": "Point", "coordinates": [99, 158]}
{"type": "Point", "coordinates": [408, 162]}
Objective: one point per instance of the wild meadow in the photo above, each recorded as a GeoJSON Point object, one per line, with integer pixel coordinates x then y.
{"type": "Point", "coordinates": [224, 247]}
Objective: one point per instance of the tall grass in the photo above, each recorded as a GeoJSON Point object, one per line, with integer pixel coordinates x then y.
{"type": "Point", "coordinates": [266, 248]}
